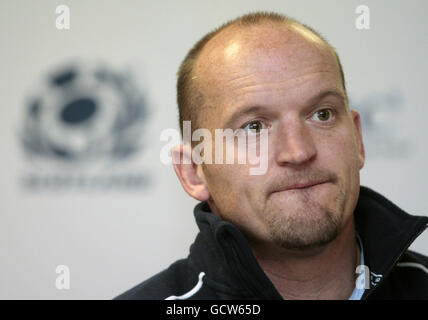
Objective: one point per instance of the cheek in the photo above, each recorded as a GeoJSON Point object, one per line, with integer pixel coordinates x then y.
{"type": "Point", "coordinates": [223, 180]}
{"type": "Point", "coordinates": [231, 187]}
{"type": "Point", "coordinates": [339, 151]}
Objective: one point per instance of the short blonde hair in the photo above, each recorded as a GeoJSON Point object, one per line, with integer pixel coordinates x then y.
{"type": "Point", "coordinates": [190, 98]}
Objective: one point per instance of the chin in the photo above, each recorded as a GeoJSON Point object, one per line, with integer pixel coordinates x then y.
{"type": "Point", "coordinates": [309, 237]}
{"type": "Point", "coordinates": [303, 226]}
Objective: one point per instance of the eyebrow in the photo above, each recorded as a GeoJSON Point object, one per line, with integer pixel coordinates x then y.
{"type": "Point", "coordinates": [259, 109]}
{"type": "Point", "coordinates": [241, 113]}
{"type": "Point", "coordinates": [326, 93]}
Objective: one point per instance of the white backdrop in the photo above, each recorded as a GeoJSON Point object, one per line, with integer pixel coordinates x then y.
{"type": "Point", "coordinates": [112, 239]}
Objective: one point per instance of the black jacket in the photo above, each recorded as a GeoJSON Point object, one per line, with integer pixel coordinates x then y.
{"type": "Point", "coordinates": [221, 264]}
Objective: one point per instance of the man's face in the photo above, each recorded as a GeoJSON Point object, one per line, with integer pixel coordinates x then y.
{"type": "Point", "coordinates": [286, 81]}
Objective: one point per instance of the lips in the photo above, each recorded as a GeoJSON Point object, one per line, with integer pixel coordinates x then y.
{"type": "Point", "coordinates": [301, 185]}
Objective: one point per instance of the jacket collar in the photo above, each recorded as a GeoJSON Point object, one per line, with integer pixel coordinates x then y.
{"type": "Point", "coordinates": [386, 232]}
{"type": "Point", "coordinates": [222, 251]}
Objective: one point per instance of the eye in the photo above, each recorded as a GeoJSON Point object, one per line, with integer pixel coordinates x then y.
{"type": "Point", "coordinates": [323, 115]}
{"type": "Point", "coordinates": [254, 126]}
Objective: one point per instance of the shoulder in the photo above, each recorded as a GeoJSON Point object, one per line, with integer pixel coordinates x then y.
{"type": "Point", "coordinates": [168, 282]}
{"type": "Point", "coordinates": [414, 265]}
{"type": "Point", "coordinates": [408, 279]}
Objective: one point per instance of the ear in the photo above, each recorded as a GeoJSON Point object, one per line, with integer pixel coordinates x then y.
{"type": "Point", "coordinates": [357, 124]}
{"type": "Point", "coordinates": [189, 173]}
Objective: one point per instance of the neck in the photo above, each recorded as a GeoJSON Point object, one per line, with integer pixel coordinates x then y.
{"type": "Point", "coordinates": [327, 273]}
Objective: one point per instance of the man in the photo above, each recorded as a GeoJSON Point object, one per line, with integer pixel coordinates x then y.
{"type": "Point", "coordinates": [304, 229]}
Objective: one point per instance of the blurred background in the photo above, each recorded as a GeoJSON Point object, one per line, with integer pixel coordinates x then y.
{"type": "Point", "coordinates": [82, 110]}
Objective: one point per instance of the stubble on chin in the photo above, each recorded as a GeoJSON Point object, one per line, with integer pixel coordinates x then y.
{"type": "Point", "coordinates": [308, 226]}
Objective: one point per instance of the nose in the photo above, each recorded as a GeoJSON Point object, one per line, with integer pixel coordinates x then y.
{"type": "Point", "coordinates": [294, 144]}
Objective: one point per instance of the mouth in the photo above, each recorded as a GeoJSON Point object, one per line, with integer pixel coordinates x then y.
{"type": "Point", "coordinates": [301, 185]}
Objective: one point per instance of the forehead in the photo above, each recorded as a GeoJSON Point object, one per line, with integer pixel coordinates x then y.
{"type": "Point", "coordinates": [239, 48]}
{"type": "Point", "coordinates": [245, 62]}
